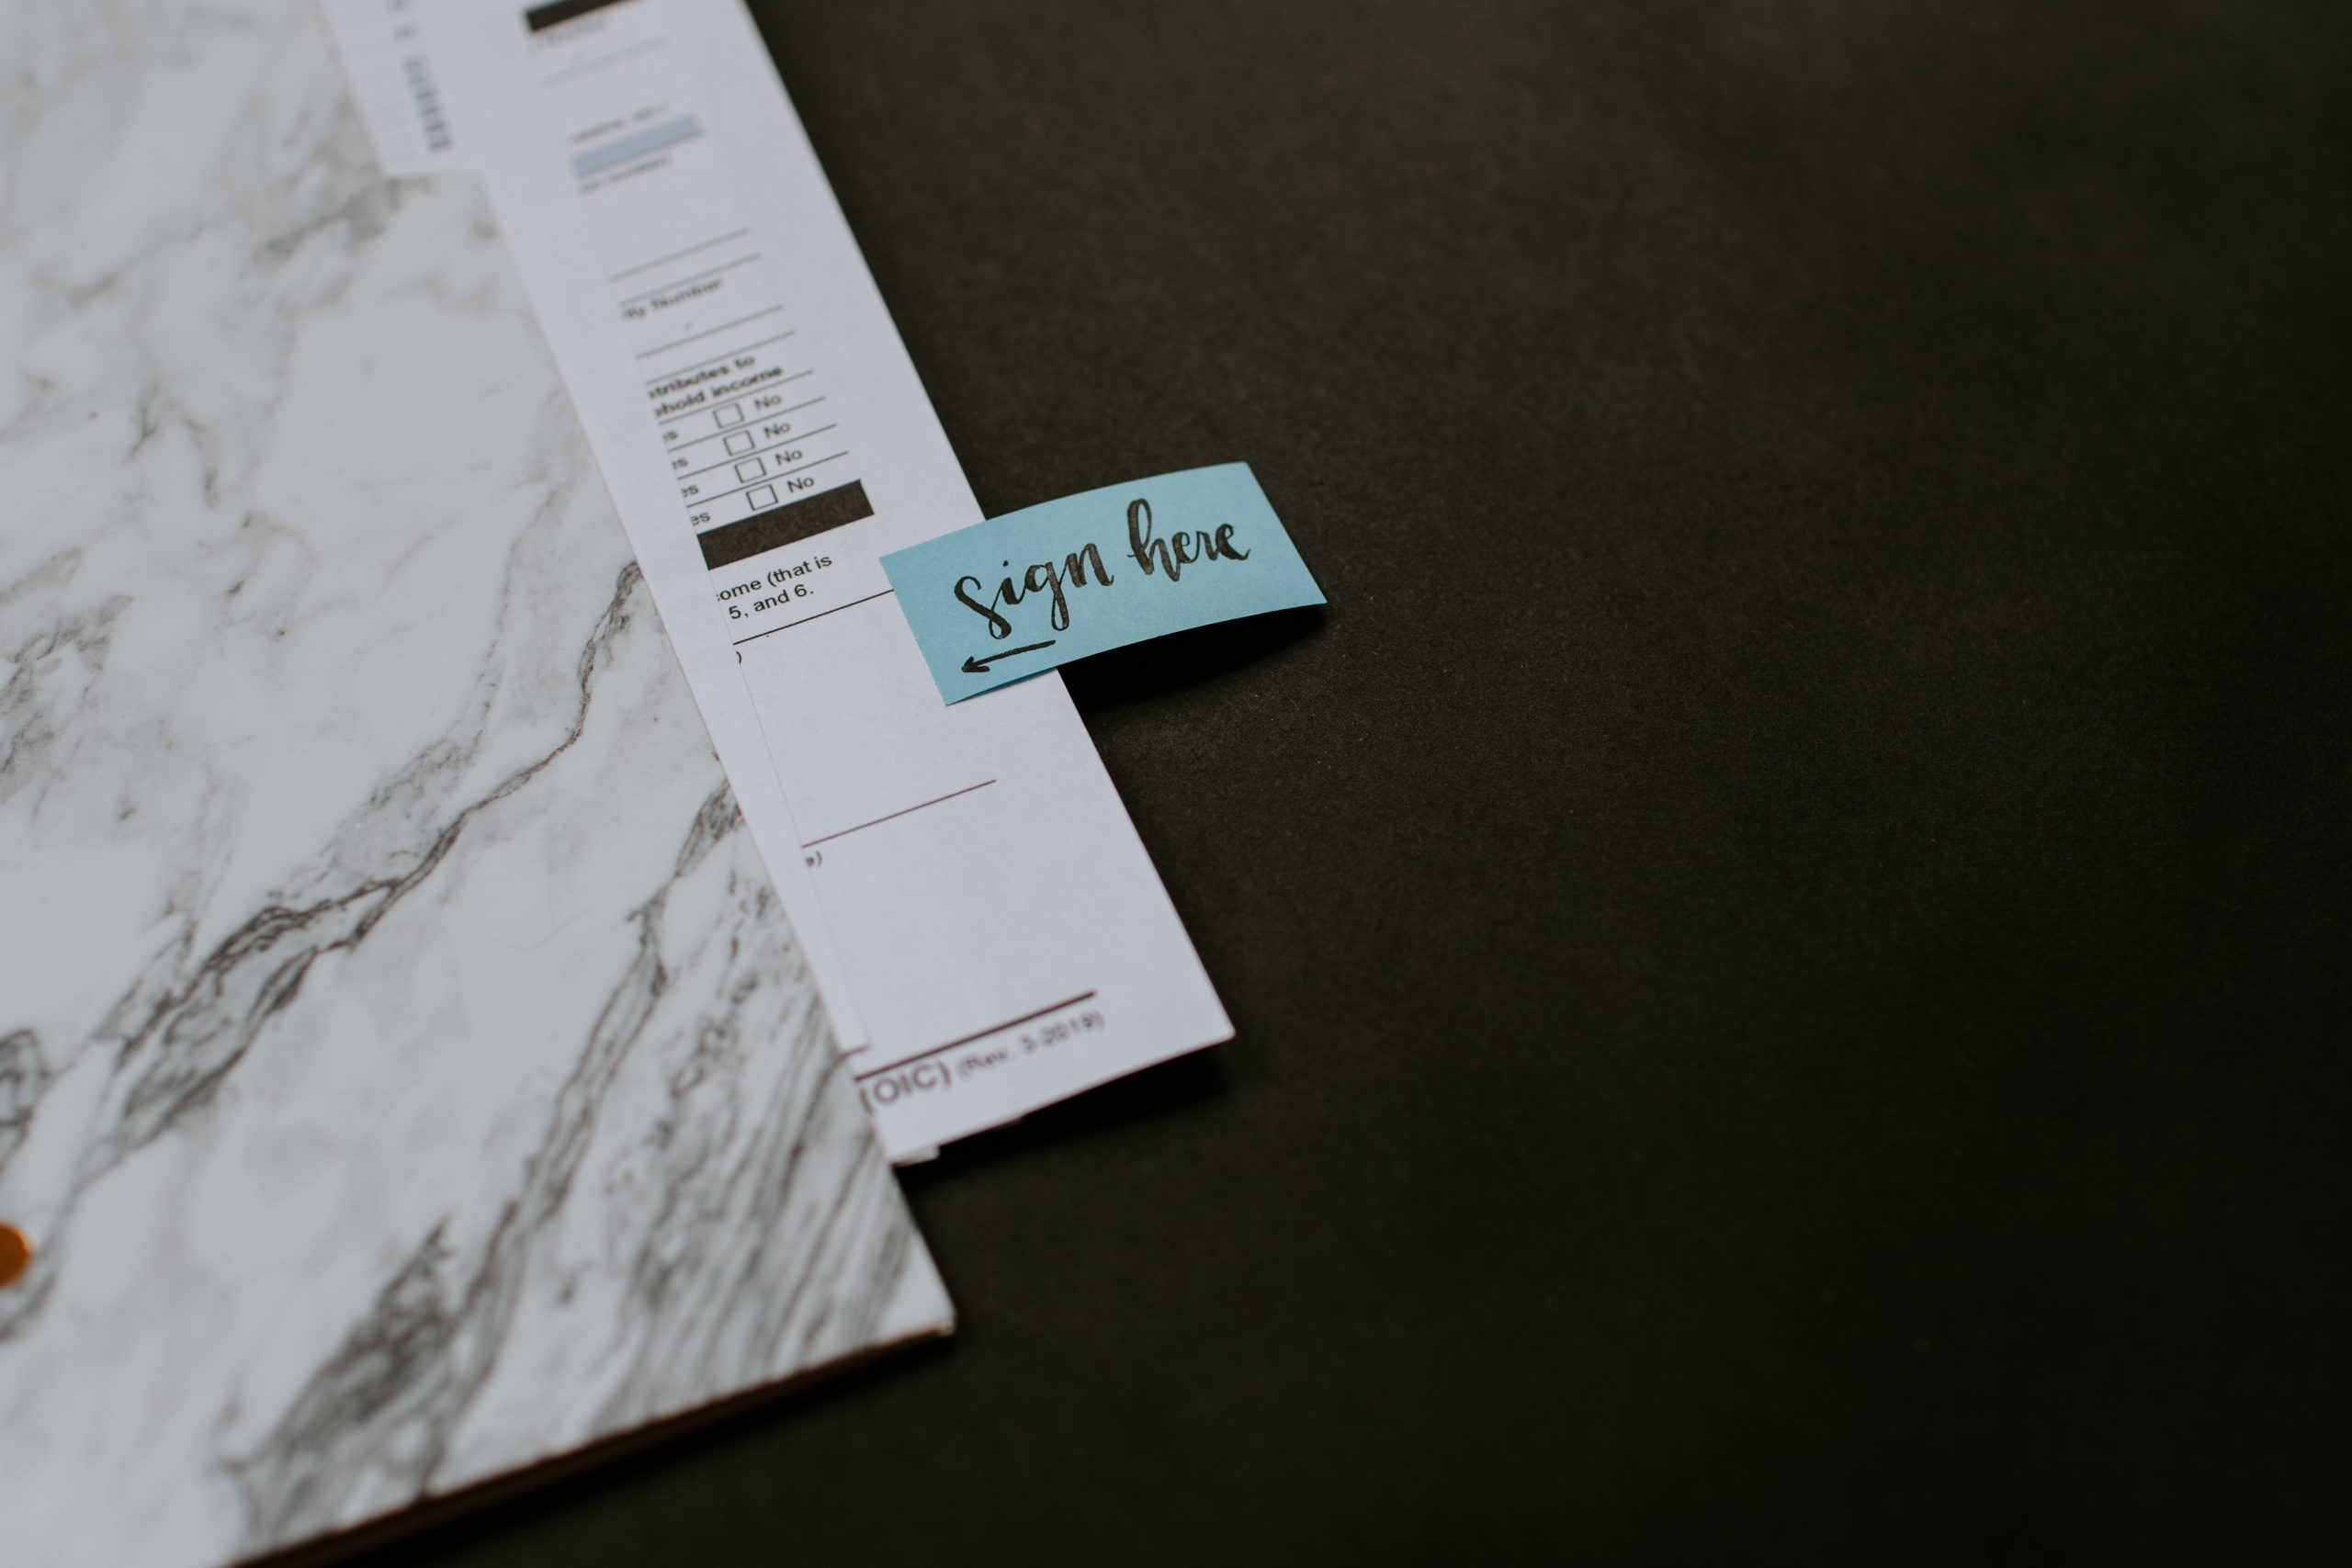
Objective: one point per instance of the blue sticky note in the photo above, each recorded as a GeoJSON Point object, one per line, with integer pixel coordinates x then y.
{"type": "Point", "coordinates": [1018, 594]}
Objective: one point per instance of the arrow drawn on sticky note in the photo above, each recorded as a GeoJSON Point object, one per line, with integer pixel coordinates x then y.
{"type": "Point", "coordinates": [981, 666]}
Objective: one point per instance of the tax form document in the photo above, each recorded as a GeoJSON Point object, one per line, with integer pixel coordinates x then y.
{"type": "Point", "coordinates": [982, 920]}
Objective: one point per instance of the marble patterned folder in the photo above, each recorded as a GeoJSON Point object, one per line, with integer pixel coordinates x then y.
{"type": "Point", "coordinates": [406, 1075]}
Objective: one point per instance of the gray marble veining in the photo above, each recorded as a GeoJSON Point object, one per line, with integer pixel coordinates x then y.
{"type": "Point", "coordinates": [405, 1070]}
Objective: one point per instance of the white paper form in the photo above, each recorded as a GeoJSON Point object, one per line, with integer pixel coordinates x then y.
{"type": "Point", "coordinates": [984, 922]}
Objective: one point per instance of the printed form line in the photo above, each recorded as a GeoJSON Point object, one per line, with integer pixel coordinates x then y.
{"type": "Point", "coordinates": [768, 477]}
{"type": "Point", "coordinates": [677, 255]}
{"type": "Point", "coordinates": [983, 1035]}
{"type": "Point", "coordinates": [690, 277]}
{"type": "Point", "coordinates": [894, 815]}
{"type": "Point", "coordinates": [689, 369]}
{"type": "Point", "coordinates": [817, 616]}
{"type": "Point", "coordinates": [712, 331]}
{"type": "Point", "coordinates": [756, 451]}
{"type": "Point", "coordinates": [582, 69]}
{"type": "Point", "coordinates": [730, 429]}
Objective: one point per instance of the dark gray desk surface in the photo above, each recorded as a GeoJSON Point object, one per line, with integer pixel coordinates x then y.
{"type": "Point", "coordinates": [1788, 923]}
